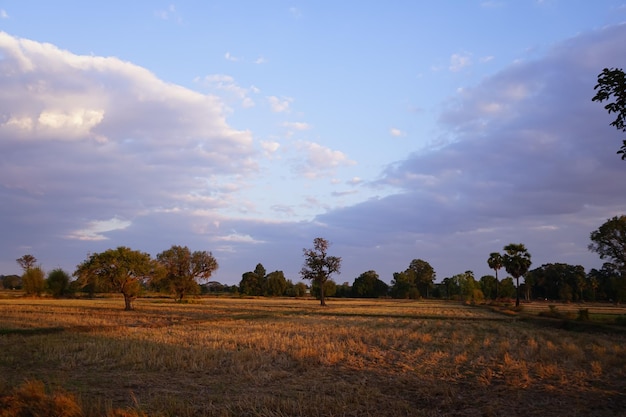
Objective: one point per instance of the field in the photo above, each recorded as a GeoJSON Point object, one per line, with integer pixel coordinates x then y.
{"type": "Point", "coordinates": [291, 357]}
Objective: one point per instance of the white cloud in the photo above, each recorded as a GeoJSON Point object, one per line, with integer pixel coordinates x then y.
{"type": "Point", "coordinates": [3, 14]}
{"type": "Point", "coordinates": [96, 230]}
{"type": "Point", "coordinates": [279, 105]}
{"type": "Point", "coordinates": [231, 58]}
{"type": "Point", "coordinates": [297, 125]}
{"type": "Point", "coordinates": [226, 83]}
{"type": "Point", "coordinates": [459, 61]}
{"type": "Point", "coordinates": [396, 132]}
{"type": "Point", "coordinates": [320, 161]}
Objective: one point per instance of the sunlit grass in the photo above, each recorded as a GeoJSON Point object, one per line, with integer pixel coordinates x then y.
{"type": "Point", "coordinates": [274, 357]}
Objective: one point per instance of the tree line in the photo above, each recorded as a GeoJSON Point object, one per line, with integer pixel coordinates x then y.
{"type": "Point", "coordinates": [181, 272]}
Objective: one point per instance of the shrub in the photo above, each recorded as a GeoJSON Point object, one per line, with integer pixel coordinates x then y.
{"type": "Point", "coordinates": [33, 281]}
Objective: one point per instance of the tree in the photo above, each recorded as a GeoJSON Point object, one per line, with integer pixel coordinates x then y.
{"type": "Point", "coordinates": [319, 266]}
{"type": "Point", "coordinates": [369, 285]}
{"type": "Point", "coordinates": [516, 261]}
{"type": "Point", "coordinates": [276, 284]}
{"type": "Point", "coordinates": [183, 269]}
{"type": "Point", "coordinates": [495, 262]}
{"type": "Point", "coordinates": [488, 285]}
{"type": "Point", "coordinates": [26, 262]}
{"type": "Point", "coordinates": [33, 281]}
{"type": "Point", "coordinates": [609, 241]}
{"type": "Point", "coordinates": [424, 275]}
{"type": "Point", "coordinates": [58, 282]}
{"type": "Point", "coordinates": [121, 269]}
{"type": "Point", "coordinates": [12, 282]}
{"type": "Point", "coordinates": [253, 282]}
{"type": "Point", "coordinates": [612, 84]}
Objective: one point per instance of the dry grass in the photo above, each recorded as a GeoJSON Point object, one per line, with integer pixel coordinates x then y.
{"type": "Point", "coordinates": [286, 357]}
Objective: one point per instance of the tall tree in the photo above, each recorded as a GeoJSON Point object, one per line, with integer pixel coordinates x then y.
{"type": "Point", "coordinates": [183, 269]}
{"type": "Point", "coordinates": [424, 275]}
{"type": "Point", "coordinates": [276, 284]}
{"type": "Point", "coordinates": [609, 241]}
{"type": "Point", "coordinates": [612, 84]}
{"type": "Point", "coordinates": [58, 282]}
{"type": "Point", "coordinates": [254, 282]}
{"type": "Point", "coordinates": [495, 262]}
{"type": "Point", "coordinates": [121, 269]}
{"type": "Point", "coordinates": [516, 261]}
{"type": "Point", "coordinates": [319, 266]}
{"type": "Point", "coordinates": [26, 262]}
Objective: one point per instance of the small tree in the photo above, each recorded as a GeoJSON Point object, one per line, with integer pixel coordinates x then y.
{"type": "Point", "coordinates": [319, 266]}
{"type": "Point", "coordinates": [58, 282]}
{"type": "Point", "coordinates": [121, 269]}
{"type": "Point", "coordinates": [26, 262]}
{"type": "Point", "coordinates": [516, 262]}
{"type": "Point", "coordinates": [276, 284]}
{"type": "Point", "coordinates": [609, 241]}
{"type": "Point", "coordinates": [182, 269]}
{"type": "Point", "coordinates": [33, 281]}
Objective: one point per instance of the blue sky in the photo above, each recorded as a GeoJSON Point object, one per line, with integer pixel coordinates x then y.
{"type": "Point", "coordinates": [398, 130]}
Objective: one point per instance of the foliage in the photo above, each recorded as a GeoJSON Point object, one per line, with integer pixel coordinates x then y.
{"type": "Point", "coordinates": [299, 289]}
{"type": "Point", "coordinates": [253, 282]}
{"type": "Point", "coordinates": [516, 261]}
{"type": "Point", "coordinates": [414, 282]}
{"type": "Point", "coordinates": [369, 285]}
{"type": "Point", "coordinates": [276, 284]}
{"type": "Point", "coordinates": [330, 289]}
{"type": "Point", "coordinates": [488, 285]}
{"type": "Point", "coordinates": [121, 269]}
{"type": "Point", "coordinates": [507, 288]}
{"type": "Point", "coordinates": [58, 283]}
{"type": "Point", "coordinates": [609, 241]}
{"type": "Point", "coordinates": [26, 262]}
{"type": "Point", "coordinates": [319, 266]}
{"type": "Point", "coordinates": [182, 269]}
{"type": "Point", "coordinates": [33, 281]}
{"type": "Point", "coordinates": [612, 84]}
{"type": "Point", "coordinates": [495, 262]}
{"type": "Point", "coordinates": [11, 282]}
{"type": "Point", "coordinates": [557, 281]}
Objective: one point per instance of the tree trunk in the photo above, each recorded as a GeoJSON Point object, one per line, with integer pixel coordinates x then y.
{"type": "Point", "coordinates": [128, 302]}
{"type": "Point", "coordinates": [496, 284]}
{"type": "Point", "coordinates": [517, 293]}
{"type": "Point", "coordinates": [322, 300]}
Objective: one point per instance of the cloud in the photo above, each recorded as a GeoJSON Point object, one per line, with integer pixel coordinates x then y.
{"type": "Point", "coordinates": [97, 135]}
{"type": "Point", "coordinates": [297, 125]}
{"type": "Point", "coordinates": [169, 13]}
{"type": "Point", "coordinates": [279, 105]}
{"type": "Point", "coordinates": [226, 84]}
{"type": "Point", "coordinates": [96, 230]}
{"type": "Point", "coordinates": [396, 132]}
{"type": "Point", "coordinates": [3, 14]}
{"type": "Point", "coordinates": [530, 159]}
{"type": "Point", "coordinates": [319, 160]}
{"type": "Point", "coordinates": [231, 58]}
{"type": "Point", "coordinates": [459, 61]}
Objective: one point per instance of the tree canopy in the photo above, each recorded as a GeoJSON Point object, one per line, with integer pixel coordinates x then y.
{"type": "Point", "coordinates": [121, 269]}
{"type": "Point", "coordinates": [182, 269]}
{"type": "Point", "coordinates": [319, 266]}
{"type": "Point", "coordinates": [612, 85]}
{"type": "Point", "coordinates": [516, 262]}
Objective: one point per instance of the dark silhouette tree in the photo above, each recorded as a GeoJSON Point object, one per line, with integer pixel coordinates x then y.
{"type": "Point", "coordinates": [609, 241]}
{"type": "Point", "coordinates": [495, 262]}
{"type": "Point", "coordinates": [26, 262]}
{"type": "Point", "coordinates": [369, 285]}
{"type": "Point", "coordinates": [516, 262]}
{"type": "Point", "coordinates": [58, 282]}
{"type": "Point", "coordinates": [319, 266]}
{"type": "Point", "coordinates": [612, 84]}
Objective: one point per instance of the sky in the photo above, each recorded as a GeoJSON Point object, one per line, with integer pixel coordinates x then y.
{"type": "Point", "coordinates": [396, 130]}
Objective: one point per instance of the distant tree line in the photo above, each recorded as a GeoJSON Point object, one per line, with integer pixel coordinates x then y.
{"type": "Point", "coordinates": [181, 272]}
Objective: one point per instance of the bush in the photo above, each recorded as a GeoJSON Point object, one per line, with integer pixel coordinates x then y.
{"type": "Point", "coordinates": [33, 281]}
{"type": "Point", "coordinates": [58, 283]}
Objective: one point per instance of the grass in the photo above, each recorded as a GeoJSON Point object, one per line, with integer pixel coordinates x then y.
{"type": "Point", "coordinates": [288, 357]}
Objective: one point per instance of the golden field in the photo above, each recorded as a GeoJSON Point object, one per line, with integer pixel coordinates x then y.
{"type": "Point", "coordinates": [291, 357]}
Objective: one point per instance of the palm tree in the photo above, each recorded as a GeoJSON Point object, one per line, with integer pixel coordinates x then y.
{"type": "Point", "coordinates": [495, 262]}
{"type": "Point", "coordinates": [516, 261]}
